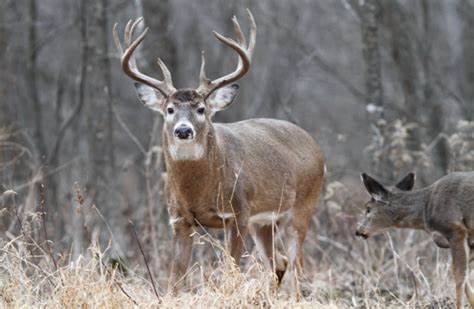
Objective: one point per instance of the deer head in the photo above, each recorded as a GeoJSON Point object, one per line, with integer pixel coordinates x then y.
{"type": "Point", "coordinates": [386, 207]}
{"type": "Point", "coordinates": [187, 112]}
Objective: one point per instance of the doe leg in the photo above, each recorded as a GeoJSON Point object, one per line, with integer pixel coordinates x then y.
{"type": "Point", "coordinates": [469, 294]}
{"type": "Point", "coordinates": [459, 251]}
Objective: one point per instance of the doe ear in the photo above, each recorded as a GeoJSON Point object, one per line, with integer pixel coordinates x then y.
{"type": "Point", "coordinates": [375, 189]}
{"type": "Point", "coordinates": [223, 97]}
{"type": "Point", "coordinates": [407, 183]}
{"type": "Point", "coordinates": [150, 97]}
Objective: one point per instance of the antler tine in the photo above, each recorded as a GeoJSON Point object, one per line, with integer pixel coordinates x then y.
{"type": "Point", "coordinates": [128, 34]}
{"type": "Point", "coordinates": [116, 39]}
{"type": "Point", "coordinates": [238, 32]}
{"type": "Point", "coordinates": [129, 65]}
{"type": "Point", "coordinates": [165, 71]}
{"type": "Point", "coordinates": [207, 87]}
{"type": "Point", "coordinates": [134, 25]}
{"type": "Point", "coordinates": [139, 19]}
{"type": "Point", "coordinates": [202, 73]}
{"type": "Point", "coordinates": [253, 34]}
{"type": "Point", "coordinates": [131, 48]}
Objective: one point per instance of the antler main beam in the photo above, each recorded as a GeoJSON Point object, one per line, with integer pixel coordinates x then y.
{"type": "Point", "coordinates": [129, 63]}
{"type": "Point", "coordinates": [206, 86]}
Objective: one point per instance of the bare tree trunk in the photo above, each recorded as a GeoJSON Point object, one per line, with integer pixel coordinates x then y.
{"type": "Point", "coordinates": [32, 72]}
{"type": "Point", "coordinates": [370, 38]}
{"type": "Point", "coordinates": [403, 51]}
{"type": "Point", "coordinates": [98, 99]}
{"type": "Point", "coordinates": [4, 110]}
{"type": "Point", "coordinates": [104, 20]}
{"type": "Point", "coordinates": [78, 220]}
{"type": "Point", "coordinates": [432, 105]}
{"type": "Point", "coordinates": [4, 114]}
{"type": "Point", "coordinates": [467, 86]}
{"type": "Point", "coordinates": [369, 13]}
{"type": "Point", "coordinates": [53, 159]}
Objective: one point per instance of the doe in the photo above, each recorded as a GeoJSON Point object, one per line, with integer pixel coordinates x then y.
{"type": "Point", "coordinates": [247, 176]}
{"type": "Point", "coordinates": [444, 209]}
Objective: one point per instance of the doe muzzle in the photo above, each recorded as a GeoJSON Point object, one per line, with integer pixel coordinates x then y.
{"type": "Point", "coordinates": [361, 234]}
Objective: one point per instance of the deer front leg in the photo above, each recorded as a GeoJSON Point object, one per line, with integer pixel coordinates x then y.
{"type": "Point", "coordinates": [182, 247]}
{"type": "Point", "coordinates": [239, 231]}
{"type": "Point", "coordinates": [459, 251]}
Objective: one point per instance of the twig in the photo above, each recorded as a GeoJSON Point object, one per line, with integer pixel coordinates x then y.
{"type": "Point", "coordinates": [435, 141]}
{"type": "Point", "coordinates": [119, 285]}
{"type": "Point", "coordinates": [112, 236]}
{"type": "Point", "coordinates": [41, 189]}
{"type": "Point", "coordinates": [144, 258]}
{"type": "Point", "coordinates": [128, 131]}
{"type": "Point", "coordinates": [44, 176]}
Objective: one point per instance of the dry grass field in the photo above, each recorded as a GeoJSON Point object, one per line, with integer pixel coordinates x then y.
{"type": "Point", "coordinates": [393, 270]}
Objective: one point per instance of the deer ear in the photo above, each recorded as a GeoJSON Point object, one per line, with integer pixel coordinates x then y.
{"type": "Point", "coordinates": [223, 97]}
{"type": "Point", "coordinates": [375, 189]}
{"type": "Point", "coordinates": [150, 97]}
{"type": "Point", "coordinates": [407, 183]}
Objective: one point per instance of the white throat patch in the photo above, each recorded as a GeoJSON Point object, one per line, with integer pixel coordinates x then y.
{"type": "Point", "coordinates": [186, 151]}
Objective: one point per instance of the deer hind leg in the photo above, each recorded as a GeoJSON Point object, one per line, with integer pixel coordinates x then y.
{"type": "Point", "coordinates": [303, 209]}
{"type": "Point", "coordinates": [460, 253]}
{"type": "Point", "coordinates": [297, 233]}
{"type": "Point", "coordinates": [264, 237]}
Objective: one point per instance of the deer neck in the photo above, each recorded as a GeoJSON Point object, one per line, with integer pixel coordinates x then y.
{"type": "Point", "coordinates": [411, 208]}
{"type": "Point", "coordinates": [191, 179]}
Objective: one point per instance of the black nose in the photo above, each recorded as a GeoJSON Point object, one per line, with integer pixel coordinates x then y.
{"type": "Point", "coordinates": [183, 132]}
{"type": "Point", "coordinates": [360, 234]}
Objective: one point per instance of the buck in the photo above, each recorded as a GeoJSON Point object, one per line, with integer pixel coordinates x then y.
{"type": "Point", "coordinates": [444, 209]}
{"type": "Point", "coordinates": [255, 175]}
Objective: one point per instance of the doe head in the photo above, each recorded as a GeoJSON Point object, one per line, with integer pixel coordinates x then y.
{"type": "Point", "coordinates": [384, 209]}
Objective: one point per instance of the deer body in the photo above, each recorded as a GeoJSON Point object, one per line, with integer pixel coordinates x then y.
{"type": "Point", "coordinates": [444, 209]}
{"type": "Point", "coordinates": [252, 176]}
{"type": "Point", "coordinates": [247, 175]}
{"type": "Point", "coordinates": [247, 161]}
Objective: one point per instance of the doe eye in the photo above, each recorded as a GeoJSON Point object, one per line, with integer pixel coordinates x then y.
{"type": "Point", "coordinates": [200, 110]}
{"type": "Point", "coordinates": [368, 210]}
{"type": "Point", "coordinates": [170, 110]}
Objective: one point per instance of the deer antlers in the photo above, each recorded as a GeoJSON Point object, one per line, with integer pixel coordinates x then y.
{"type": "Point", "coordinates": [206, 86]}
{"type": "Point", "coordinates": [129, 64]}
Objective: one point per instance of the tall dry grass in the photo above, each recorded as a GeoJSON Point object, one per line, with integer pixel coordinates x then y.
{"type": "Point", "coordinates": [397, 269]}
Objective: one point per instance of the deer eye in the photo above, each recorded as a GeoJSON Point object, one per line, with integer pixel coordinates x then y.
{"type": "Point", "coordinates": [367, 211]}
{"type": "Point", "coordinates": [170, 110]}
{"type": "Point", "coordinates": [201, 110]}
